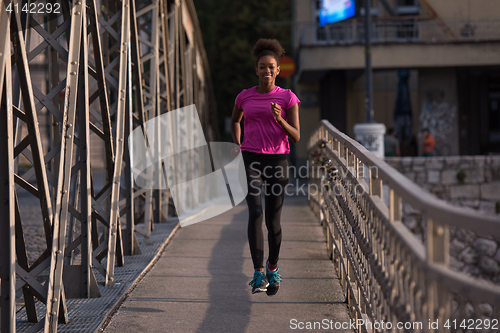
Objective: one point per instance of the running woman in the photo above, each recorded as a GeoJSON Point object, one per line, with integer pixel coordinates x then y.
{"type": "Point", "coordinates": [271, 117]}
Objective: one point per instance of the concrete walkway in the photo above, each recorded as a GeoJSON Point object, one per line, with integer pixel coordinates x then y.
{"type": "Point", "coordinates": [200, 284]}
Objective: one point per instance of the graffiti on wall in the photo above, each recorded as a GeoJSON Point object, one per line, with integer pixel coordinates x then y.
{"type": "Point", "coordinates": [439, 117]}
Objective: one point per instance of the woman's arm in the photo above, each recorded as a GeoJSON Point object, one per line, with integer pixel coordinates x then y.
{"type": "Point", "coordinates": [235, 125]}
{"type": "Point", "coordinates": [292, 127]}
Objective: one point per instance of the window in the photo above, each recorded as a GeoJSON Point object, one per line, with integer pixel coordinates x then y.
{"type": "Point", "coordinates": [406, 3]}
{"type": "Point", "coordinates": [407, 7]}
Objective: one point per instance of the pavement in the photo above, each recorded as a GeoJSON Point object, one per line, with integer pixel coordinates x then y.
{"type": "Point", "coordinates": [200, 283]}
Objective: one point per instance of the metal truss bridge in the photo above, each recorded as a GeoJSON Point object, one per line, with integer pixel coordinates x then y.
{"type": "Point", "coordinates": [75, 79]}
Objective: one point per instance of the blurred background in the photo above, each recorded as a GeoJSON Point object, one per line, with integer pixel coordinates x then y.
{"type": "Point", "coordinates": [435, 64]}
{"type": "Point", "coordinates": [230, 29]}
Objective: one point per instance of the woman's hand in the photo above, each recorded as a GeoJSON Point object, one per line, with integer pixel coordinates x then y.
{"type": "Point", "coordinates": [235, 151]}
{"type": "Point", "coordinates": [276, 109]}
{"type": "Point", "coordinates": [291, 125]}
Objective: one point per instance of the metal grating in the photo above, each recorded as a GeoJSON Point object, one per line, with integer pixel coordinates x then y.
{"type": "Point", "coordinates": [87, 315]}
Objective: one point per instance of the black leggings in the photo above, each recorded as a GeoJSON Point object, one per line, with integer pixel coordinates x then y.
{"type": "Point", "coordinates": [270, 170]}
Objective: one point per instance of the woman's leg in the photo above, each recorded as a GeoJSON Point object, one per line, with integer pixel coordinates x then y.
{"type": "Point", "coordinates": [274, 199]}
{"type": "Point", "coordinates": [255, 213]}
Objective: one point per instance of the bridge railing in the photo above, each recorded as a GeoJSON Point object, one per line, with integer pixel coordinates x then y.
{"type": "Point", "coordinates": [400, 30]}
{"type": "Point", "coordinates": [389, 275]}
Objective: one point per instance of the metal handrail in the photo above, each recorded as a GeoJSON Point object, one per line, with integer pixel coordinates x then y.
{"type": "Point", "coordinates": [415, 195]}
{"type": "Point", "coordinates": [408, 30]}
{"type": "Point", "coordinates": [387, 272]}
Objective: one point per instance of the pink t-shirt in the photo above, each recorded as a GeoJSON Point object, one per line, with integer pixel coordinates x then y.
{"type": "Point", "coordinates": [263, 134]}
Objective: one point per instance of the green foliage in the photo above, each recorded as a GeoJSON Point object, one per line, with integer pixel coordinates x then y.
{"type": "Point", "coordinates": [230, 29]}
{"type": "Point", "coordinates": [461, 175]}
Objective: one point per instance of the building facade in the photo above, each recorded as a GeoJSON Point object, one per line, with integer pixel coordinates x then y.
{"type": "Point", "coordinates": [438, 58]}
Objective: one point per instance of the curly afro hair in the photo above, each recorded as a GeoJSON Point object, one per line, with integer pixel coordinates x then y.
{"type": "Point", "coordinates": [265, 47]}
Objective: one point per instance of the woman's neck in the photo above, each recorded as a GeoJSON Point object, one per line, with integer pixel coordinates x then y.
{"type": "Point", "coordinates": [265, 88]}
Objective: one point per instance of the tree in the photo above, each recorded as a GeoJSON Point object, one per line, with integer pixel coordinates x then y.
{"type": "Point", "coordinates": [230, 29]}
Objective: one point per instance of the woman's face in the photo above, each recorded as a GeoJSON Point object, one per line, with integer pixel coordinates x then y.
{"type": "Point", "coordinates": [267, 69]}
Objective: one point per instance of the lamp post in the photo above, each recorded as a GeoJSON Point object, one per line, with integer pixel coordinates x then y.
{"type": "Point", "coordinates": [368, 64]}
{"type": "Point", "coordinates": [369, 133]}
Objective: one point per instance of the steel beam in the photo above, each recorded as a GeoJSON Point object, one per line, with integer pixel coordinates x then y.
{"type": "Point", "coordinates": [55, 287]}
{"type": "Point", "coordinates": [7, 191]}
{"type": "Point", "coordinates": [31, 120]}
{"type": "Point", "coordinates": [84, 147]}
{"type": "Point", "coordinates": [114, 222]}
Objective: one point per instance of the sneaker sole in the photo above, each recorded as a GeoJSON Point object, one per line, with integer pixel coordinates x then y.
{"type": "Point", "coordinates": [272, 291]}
{"type": "Point", "coordinates": [260, 290]}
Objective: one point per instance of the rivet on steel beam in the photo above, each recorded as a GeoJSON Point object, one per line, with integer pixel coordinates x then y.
{"type": "Point", "coordinates": [53, 313]}
{"type": "Point", "coordinates": [439, 231]}
{"type": "Point", "coordinates": [54, 299]}
{"type": "Point", "coordinates": [59, 251]}
{"type": "Point", "coordinates": [77, 13]}
{"type": "Point", "coordinates": [73, 73]}
{"type": "Point", "coordinates": [73, 62]}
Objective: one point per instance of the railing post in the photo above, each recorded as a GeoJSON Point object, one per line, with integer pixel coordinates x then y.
{"type": "Point", "coordinates": [438, 241]}
{"type": "Point", "coordinates": [360, 169]}
{"type": "Point", "coordinates": [351, 162]}
{"type": "Point", "coordinates": [395, 213]}
{"type": "Point", "coordinates": [375, 183]}
{"type": "Point", "coordinates": [336, 146]}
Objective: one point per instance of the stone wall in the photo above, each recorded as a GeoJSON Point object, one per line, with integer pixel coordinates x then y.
{"type": "Point", "coordinates": [467, 181]}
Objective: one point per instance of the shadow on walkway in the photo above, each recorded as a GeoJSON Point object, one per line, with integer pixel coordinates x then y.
{"type": "Point", "coordinates": [200, 284]}
{"type": "Point", "coordinates": [229, 301]}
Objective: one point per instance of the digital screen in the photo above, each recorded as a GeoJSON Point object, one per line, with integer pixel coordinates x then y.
{"type": "Point", "coordinates": [336, 10]}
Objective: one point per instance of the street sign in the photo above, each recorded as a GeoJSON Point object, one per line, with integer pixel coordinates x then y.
{"type": "Point", "coordinates": [287, 66]}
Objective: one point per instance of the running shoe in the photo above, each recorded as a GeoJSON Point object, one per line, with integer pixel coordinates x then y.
{"type": "Point", "coordinates": [259, 283]}
{"type": "Point", "coordinates": [274, 280]}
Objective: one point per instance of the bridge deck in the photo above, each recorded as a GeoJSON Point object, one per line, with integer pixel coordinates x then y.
{"type": "Point", "coordinates": [200, 284]}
